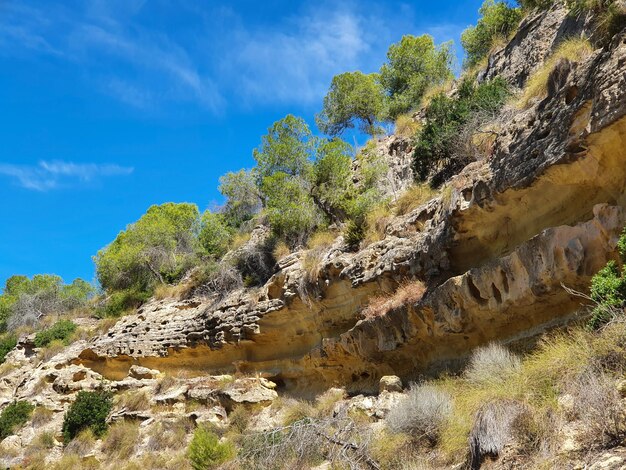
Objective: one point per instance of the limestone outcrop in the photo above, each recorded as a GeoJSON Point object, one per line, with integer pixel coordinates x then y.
{"type": "Point", "coordinates": [493, 249]}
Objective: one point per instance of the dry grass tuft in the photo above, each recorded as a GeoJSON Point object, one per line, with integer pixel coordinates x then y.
{"type": "Point", "coordinates": [297, 410]}
{"type": "Point", "coordinates": [170, 434]}
{"type": "Point", "coordinates": [574, 50]}
{"type": "Point", "coordinates": [51, 350]}
{"type": "Point", "coordinates": [166, 383]}
{"type": "Point", "coordinates": [239, 419]}
{"type": "Point", "coordinates": [240, 239]}
{"type": "Point", "coordinates": [322, 239]}
{"type": "Point", "coordinates": [177, 291]}
{"type": "Point", "coordinates": [406, 126]}
{"type": "Point", "coordinates": [421, 412]}
{"type": "Point", "coordinates": [281, 250]}
{"type": "Point", "coordinates": [436, 90]}
{"type": "Point", "coordinates": [491, 363]}
{"type": "Point", "coordinates": [326, 402]}
{"type": "Point", "coordinates": [134, 400]}
{"type": "Point", "coordinates": [376, 222]}
{"type": "Point", "coordinates": [121, 440]}
{"type": "Point", "coordinates": [494, 428]}
{"type": "Point", "coordinates": [82, 444]}
{"type": "Point", "coordinates": [41, 415]}
{"type": "Point", "coordinates": [598, 406]}
{"type": "Point", "coordinates": [414, 197]}
{"type": "Point", "coordinates": [407, 293]}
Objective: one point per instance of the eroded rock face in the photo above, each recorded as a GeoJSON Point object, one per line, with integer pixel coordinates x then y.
{"type": "Point", "coordinates": [493, 250]}
{"type": "Point", "coordinates": [538, 35]}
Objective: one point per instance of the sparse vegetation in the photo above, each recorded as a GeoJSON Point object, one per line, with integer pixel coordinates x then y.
{"type": "Point", "coordinates": [133, 400]}
{"type": "Point", "coordinates": [120, 440]}
{"type": "Point", "coordinates": [573, 49]}
{"type": "Point", "coordinates": [62, 330]}
{"type": "Point", "coordinates": [170, 434]}
{"type": "Point", "coordinates": [407, 293]}
{"type": "Point", "coordinates": [13, 416]}
{"type": "Point", "coordinates": [421, 412]}
{"type": "Point", "coordinates": [206, 451]}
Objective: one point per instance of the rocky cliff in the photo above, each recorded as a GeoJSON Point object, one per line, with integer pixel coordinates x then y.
{"type": "Point", "coordinates": [493, 251]}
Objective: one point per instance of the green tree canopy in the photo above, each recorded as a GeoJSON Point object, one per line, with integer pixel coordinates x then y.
{"type": "Point", "coordinates": [25, 301]}
{"type": "Point", "coordinates": [215, 235]}
{"type": "Point", "coordinates": [353, 97]}
{"type": "Point", "coordinates": [287, 148]}
{"type": "Point", "coordinates": [413, 65]}
{"type": "Point", "coordinates": [158, 248]}
{"type": "Point", "coordinates": [290, 209]}
{"type": "Point", "coordinates": [498, 19]}
{"type": "Point", "coordinates": [333, 188]}
{"type": "Point", "coordinates": [242, 197]}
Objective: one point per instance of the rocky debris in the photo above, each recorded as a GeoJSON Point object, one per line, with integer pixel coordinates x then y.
{"type": "Point", "coordinates": [248, 392]}
{"type": "Point", "coordinates": [390, 383]}
{"type": "Point", "coordinates": [138, 372]}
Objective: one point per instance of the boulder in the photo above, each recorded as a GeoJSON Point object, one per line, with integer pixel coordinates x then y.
{"type": "Point", "coordinates": [390, 383]}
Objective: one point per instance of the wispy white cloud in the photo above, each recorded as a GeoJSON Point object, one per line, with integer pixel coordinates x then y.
{"type": "Point", "coordinates": [296, 66]}
{"type": "Point", "coordinates": [47, 175]}
{"type": "Point", "coordinates": [220, 58]}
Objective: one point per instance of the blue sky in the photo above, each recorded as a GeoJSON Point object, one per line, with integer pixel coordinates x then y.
{"type": "Point", "coordinates": [110, 106]}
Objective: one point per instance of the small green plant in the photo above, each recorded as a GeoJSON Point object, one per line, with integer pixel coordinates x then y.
{"type": "Point", "coordinates": [608, 290]}
{"type": "Point", "coordinates": [206, 451]}
{"type": "Point", "coordinates": [61, 330]}
{"type": "Point", "coordinates": [7, 343]}
{"type": "Point", "coordinates": [89, 410]}
{"type": "Point", "coordinates": [13, 416]}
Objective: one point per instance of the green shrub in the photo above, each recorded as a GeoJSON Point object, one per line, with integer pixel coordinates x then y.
{"type": "Point", "coordinates": [608, 290]}
{"type": "Point", "coordinates": [498, 20]}
{"type": "Point", "coordinates": [61, 330]}
{"type": "Point", "coordinates": [7, 343]}
{"type": "Point", "coordinates": [121, 301]}
{"type": "Point", "coordinates": [14, 415]}
{"type": "Point", "coordinates": [89, 410]}
{"type": "Point", "coordinates": [446, 115]}
{"type": "Point", "coordinates": [206, 451]}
